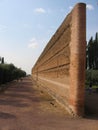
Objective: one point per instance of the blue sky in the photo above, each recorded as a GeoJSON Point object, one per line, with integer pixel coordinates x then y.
{"type": "Point", "coordinates": [26, 26]}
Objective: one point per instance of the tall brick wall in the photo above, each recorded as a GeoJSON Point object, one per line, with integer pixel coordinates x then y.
{"type": "Point", "coordinates": [61, 66]}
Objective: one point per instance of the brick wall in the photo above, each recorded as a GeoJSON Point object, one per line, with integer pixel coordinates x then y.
{"type": "Point", "coordinates": [61, 66]}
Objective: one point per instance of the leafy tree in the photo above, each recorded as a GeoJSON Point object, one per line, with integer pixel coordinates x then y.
{"type": "Point", "coordinates": [92, 53]}
{"type": "Point", "coordinates": [2, 60]}
{"type": "Point", "coordinates": [9, 72]}
{"type": "Point", "coordinates": [92, 75]}
{"type": "Point", "coordinates": [92, 60]}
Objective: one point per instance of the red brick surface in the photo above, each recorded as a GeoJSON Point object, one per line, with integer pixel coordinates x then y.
{"type": "Point", "coordinates": [60, 68]}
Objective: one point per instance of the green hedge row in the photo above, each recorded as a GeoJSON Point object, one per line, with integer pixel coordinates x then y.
{"type": "Point", "coordinates": [8, 72]}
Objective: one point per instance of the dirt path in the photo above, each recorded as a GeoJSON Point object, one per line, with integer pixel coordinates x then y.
{"type": "Point", "coordinates": [24, 106]}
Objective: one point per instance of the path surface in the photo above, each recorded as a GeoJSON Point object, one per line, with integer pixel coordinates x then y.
{"type": "Point", "coordinates": [24, 106]}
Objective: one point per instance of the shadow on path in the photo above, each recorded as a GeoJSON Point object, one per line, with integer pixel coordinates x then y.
{"type": "Point", "coordinates": [91, 105]}
{"type": "Point", "coordinates": [24, 106]}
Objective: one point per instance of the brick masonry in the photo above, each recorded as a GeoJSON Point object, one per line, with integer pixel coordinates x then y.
{"type": "Point", "coordinates": [60, 69]}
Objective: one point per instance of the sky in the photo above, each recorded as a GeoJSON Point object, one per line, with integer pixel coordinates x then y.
{"type": "Point", "coordinates": [26, 26]}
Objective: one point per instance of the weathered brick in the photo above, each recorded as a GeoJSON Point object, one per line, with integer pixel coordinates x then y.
{"type": "Point", "coordinates": [61, 66]}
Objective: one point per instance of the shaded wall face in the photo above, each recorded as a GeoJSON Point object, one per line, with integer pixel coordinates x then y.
{"type": "Point", "coordinates": [61, 59]}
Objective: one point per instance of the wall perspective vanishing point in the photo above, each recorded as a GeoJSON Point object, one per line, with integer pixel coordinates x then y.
{"type": "Point", "coordinates": [61, 67]}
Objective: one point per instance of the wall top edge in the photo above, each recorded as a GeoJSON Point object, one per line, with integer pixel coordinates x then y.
{"type": "Point", "coordinates": [80, 4]}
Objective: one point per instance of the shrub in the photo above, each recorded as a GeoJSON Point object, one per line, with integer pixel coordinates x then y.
{"type": "Point", "coordinates": [92, 75]}
{"type": "Point", "coordinates": [9, 72]}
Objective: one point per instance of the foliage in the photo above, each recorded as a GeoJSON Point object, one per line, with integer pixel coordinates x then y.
{"type": "Point", "coordinates": [92, 61]}
{"type": "Point", "coordinates": [2, 60]}
{"type": "Point", "coordinates": [92, 53]}
{"type": "Point", "coordinates": [9, 72]}
{"type": "Point", "coordinates": [92, 75]}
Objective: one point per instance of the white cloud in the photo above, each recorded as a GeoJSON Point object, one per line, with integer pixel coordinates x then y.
{"type": "Point", "coordinates": [70, 7]}
{"type": "Point", "coordinates": [39, 10]}
{"type": "Point", "coordinates": [89, 7]}
{"type": "Point", "coordinates": [3, 28]}
{"type": "Point", "coordinates": [33, 43]}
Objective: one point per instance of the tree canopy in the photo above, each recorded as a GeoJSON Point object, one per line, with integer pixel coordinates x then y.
{"type": "Point", "coordinates": [92, 53]}
{"type": "Point", "coordinates": [9, 72]}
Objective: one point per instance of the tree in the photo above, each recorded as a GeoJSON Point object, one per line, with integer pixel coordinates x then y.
{"type": "Point", "coordinates": [9, 72]}
{"type": "Point", "coordinates": [92, 60]}
{"type": "Point", "coordinates": [2, 60]}
{"type": "Point", "coordinates": [92, 53]}
{"type": "Point", "coordinates": [96, 51]}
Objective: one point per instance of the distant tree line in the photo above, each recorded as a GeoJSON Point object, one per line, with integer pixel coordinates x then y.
{"type": "Point", "coordinates": [9, 72]}
{"type": "Point", "coordinates": [92, 60]}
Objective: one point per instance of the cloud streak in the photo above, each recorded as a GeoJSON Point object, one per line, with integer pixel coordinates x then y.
{"type": "Point", "coordinates": [89, 7]}
{"type": "Point", "coordinates": [40, 10]}
{"type": "Point", "coordinates": [70, 7]}
{"type": "Point", "coordinates": [33, 43]}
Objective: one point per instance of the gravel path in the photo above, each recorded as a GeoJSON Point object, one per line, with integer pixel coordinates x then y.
{"type": "Point", "coordinates": [24, 106]}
